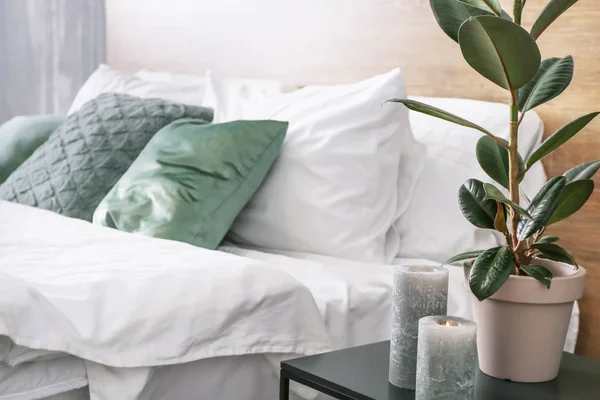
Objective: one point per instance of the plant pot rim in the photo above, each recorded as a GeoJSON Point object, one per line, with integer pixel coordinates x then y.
{"type": "Point", "coordinates": [525, 289]}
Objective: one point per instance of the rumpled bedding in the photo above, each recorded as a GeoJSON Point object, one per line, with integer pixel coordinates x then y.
{"type": "Point", "coordinates": [126, 303]}
{"type": "Point", "coordinates": [125, 300]}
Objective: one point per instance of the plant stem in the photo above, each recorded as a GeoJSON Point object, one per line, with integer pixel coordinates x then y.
{"type": "Point", "coordinates": [513, 160]}
{"type": "Point", "coordinates": [513, 152]}
{"type": "Point", "coordinates": [518, 10]}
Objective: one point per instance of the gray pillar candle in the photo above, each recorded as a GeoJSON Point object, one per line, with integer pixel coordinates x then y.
{"type": "Point", "coordinates": [447, 358]}
{"type": "Point", "coordinates": [419, 291]}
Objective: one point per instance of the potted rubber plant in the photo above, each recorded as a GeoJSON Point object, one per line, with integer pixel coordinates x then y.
{"type": "Point", "coordinates": [523, 290]}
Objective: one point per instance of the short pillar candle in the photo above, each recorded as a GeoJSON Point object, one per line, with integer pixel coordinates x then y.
{"type": "Point", "coordinates": [447, 358]}
{"type": "Point", "coordinates": [419, 291]}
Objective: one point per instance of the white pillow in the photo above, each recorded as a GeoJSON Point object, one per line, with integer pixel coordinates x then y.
{"type": "Point", "coordinates": [335, 188]}
{"type": "Point", "coordinates": [265, 86]}
{"type": "Point", "coordinates": [171, 77]}
{"type": "Point", "coordinates": [232, 98]}
{"type": "Point", "coordinates": [106, 79]}
{"type": "Point", "coordinates": [433, 227]}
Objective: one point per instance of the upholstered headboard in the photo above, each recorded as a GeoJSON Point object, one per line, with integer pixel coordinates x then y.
{"type": "Point", "coordinates": [331, 41]}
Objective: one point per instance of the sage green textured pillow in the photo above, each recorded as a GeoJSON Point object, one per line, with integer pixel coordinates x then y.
{"type": "Point", "coordinates": [20, 136]}
{"type": "Point", "coordinates": [192, 179]}
{"type": "Point", "coordinates": [85, 157]}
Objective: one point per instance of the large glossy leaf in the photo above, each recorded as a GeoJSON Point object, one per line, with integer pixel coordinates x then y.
{"type": "Point", "coordinates": [542, 206]}
{"type": "Point", "coordinates": [438, 113]}
{"type": "Point", "coordinates": [582, 172]}
{"type": "Point", "coordinates": [493, 159]}
{"type": "Point", "coordinates": [549, 14]}
{"type": "Point", "coordinates": [485, 5]}
{"type": "Point", "coordinates": [538, 272]}
{"type": "Point", "coordinates": [490, 270]}
{"type": "Point", "coordinates": [571, 200]}
{"type": "Point", "coordinates": [559, 137]}
{"type": "Point", "coordinates": [553, 77]}
{"type": "Point", "coordinates": [554, 252]}
{"type": "Point", "coordinates": [451, 14]}
{"type": "Point", "coordinates": [500, 50]}
{"type": "Point", "coordinates": [476, 209]}
{"type": "Point", "coordinates": [463, 256]}
{"type": "Point", "coordinates": [491, 192]}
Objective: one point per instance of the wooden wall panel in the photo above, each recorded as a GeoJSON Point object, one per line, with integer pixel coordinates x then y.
{"type": "Point", "coordinates": [330, 41]}
{"type": "Point", "coordinates": [47, 50]}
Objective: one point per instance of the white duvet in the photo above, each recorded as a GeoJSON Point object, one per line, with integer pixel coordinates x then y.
{"type": "Point", "coordinates": [128, 301]}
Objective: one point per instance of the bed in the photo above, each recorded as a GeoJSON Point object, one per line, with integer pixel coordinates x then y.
{"type": "Point", "coordinates": [347, 304]}
{"type": "Point", "coordinates": [124, 308]}
{"type": "Point", "coordinates": [133, 317]}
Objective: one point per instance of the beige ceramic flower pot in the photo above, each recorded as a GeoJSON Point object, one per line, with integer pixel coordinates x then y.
{"type": "Point", "coordinates": [521, 329]}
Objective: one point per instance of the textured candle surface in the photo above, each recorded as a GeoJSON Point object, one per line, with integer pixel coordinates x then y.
{"type": "Point", "coordinates": [447, 358]}
{"type": "Point", "coordinates": [419, 291]}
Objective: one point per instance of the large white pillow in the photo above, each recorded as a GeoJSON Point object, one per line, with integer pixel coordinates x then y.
{"type": "Point", "coordinates": [433, 227]}
{"type": "Point", "coordinates": [106, 79]}
{"type": "Point", "coordinates": [335, 189]}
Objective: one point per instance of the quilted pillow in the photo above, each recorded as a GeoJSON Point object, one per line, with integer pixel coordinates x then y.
{"type": "Point", "coordinates": [84, 158]}
{"type": "Point", "coordinates": [192, 180]}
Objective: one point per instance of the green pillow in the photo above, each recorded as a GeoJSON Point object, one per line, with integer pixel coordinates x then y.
{"type": "Point", "coordinates": [20, 136]}
{"type": "Point", "coordinates": [192, 179]}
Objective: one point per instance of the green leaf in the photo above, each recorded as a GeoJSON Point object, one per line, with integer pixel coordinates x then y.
{"type": "Point", "coordinates": [571, 200]}
{"type": "Point", "coordinates": [500, 50]}
{"type": "Point", "coordinates": [476, 209]}
{"type": "Point", "coordinates": [538, 272]}
{"type": "Point", "coordinates": [485, 5]}
{"type": "Point", "coordinates": [438, 113]}
{"type": "Point", "coordinates": [582, 172]}
{"type": "Point", "coordinates": [548, 239]}
{"type": "Point", "coordinates": [549, 14]}
{"type": "Point", "coordinates": [450, 15]}
{"type": "Point", "coordinates": [492, 193]}
{"type": "Point", "coordinates": [554, 252]}
{"type": "Point", "coordinates": [559, 137]}
{"type": "Point", "coordinates": [553, 77]}
{"type": "Point", "coordinates": [463, 256]}
{"type": "Point", "coordinates": [490, 270]}
{"type": "Point", "coordinates": [542, 206]}
{"type": "Point", "coordinates": [493, 159]}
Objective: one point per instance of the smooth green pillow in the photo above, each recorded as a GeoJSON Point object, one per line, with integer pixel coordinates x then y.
{"type": "Point", "coordinates": [192, 179]}
{"type": "Point", "coordinates": [21, 136]}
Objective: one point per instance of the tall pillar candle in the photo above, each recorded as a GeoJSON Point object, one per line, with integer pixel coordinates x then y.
{"type": "Point", "coordinates": [447, 358]}
{"type": "Point", "coordinates": [419, 291]}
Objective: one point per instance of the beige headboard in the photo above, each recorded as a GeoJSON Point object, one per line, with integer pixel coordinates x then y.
{"type": "Point", "coordinates": [332, 41]}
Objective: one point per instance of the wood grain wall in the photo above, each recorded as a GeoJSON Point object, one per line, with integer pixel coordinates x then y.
{"type": "Point", "coordinates": [47, 50]}
{"type": "Point", "coordinates": [330, 41]}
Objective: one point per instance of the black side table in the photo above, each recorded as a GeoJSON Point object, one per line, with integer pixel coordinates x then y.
{"type": "Point", "coordinates": [361, 373]}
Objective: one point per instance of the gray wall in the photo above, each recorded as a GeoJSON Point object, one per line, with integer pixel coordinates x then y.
{"type": "Point", "coordinates": [47, 50]}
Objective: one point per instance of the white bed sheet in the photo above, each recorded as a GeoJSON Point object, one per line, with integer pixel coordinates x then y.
{"type": "Point", "coordinates": [248, 377]}
{"type": "Point", "coordinates": [35, 380]}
